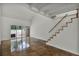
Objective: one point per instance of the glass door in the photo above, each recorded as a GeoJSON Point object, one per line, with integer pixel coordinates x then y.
{"type": "Point", "coordinates": [13, 38]}
{"type": "Point", "coordinates": [19, 40]}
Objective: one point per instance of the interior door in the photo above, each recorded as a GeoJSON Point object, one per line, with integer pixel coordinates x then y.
{"type": "Point", "coordinates": [19, 40]}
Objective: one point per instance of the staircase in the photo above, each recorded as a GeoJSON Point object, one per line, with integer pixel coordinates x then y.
{"type": "Point", "coordinates": [63, 23]}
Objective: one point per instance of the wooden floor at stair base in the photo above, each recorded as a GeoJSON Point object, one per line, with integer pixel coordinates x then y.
{"type": "Point", "coordinates": [38, 48]}
{"type": "Point", "coordinates": [0, 50]}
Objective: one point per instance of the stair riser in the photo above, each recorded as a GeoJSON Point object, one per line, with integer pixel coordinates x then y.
{"type": "Point", "coordinates": [62, 28]}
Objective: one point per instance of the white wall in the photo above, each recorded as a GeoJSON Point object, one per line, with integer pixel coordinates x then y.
{"type": "Point", "coordinates": [68, 39]}
{"type": "Point", "coordinates": [40, 27]}
{"type": "Point", "coordinates": [17, 11]}
{"type": "Point", "coordinates": [7, 22]}
{"type": "Point", "coordinates": [0, 31]}
{"type": "Point", "coordinates": [0, 22]}
{"type": "Point", "coordinates": [14, 14]}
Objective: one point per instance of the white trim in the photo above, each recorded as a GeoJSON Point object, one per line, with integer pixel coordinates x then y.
{"type": "Point", "coordinates": [73, 52]}
{"type": "Point", "coordinates": [38, 38]}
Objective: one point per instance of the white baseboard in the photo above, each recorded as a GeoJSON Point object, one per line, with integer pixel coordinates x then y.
{"type": "Point", "coordinates": [39, 38]}
{"type": "Point", "coordinates": [77, 53]}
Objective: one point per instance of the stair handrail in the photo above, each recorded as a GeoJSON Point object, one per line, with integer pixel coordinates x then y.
{"type": "Point", "coordinates": [58, 22]}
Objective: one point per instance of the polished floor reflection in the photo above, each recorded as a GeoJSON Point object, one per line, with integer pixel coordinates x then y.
{"type": "Point", "coordinates": [37, 48]}
{"type": "Point", "coordinates": [0, 50]}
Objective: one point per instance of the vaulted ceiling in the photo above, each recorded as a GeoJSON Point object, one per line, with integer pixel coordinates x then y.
{"type": "Point", "coordinates": [52, 9]}
{"type": "Point", "coordinates": [25, 11]}
{"type": "Point", "coordinates": [16, 11]}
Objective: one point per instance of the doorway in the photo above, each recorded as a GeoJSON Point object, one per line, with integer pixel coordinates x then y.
{"type": "Point", "coordinates": [20, 37]}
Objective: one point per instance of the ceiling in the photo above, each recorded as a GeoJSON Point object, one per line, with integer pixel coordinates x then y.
{"type": "Point", "coordinates": [52, 9]}
{"type": "Point", "coordinates": [16, 11]}
{"type": "Point", "coordinates": [25, 11]}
